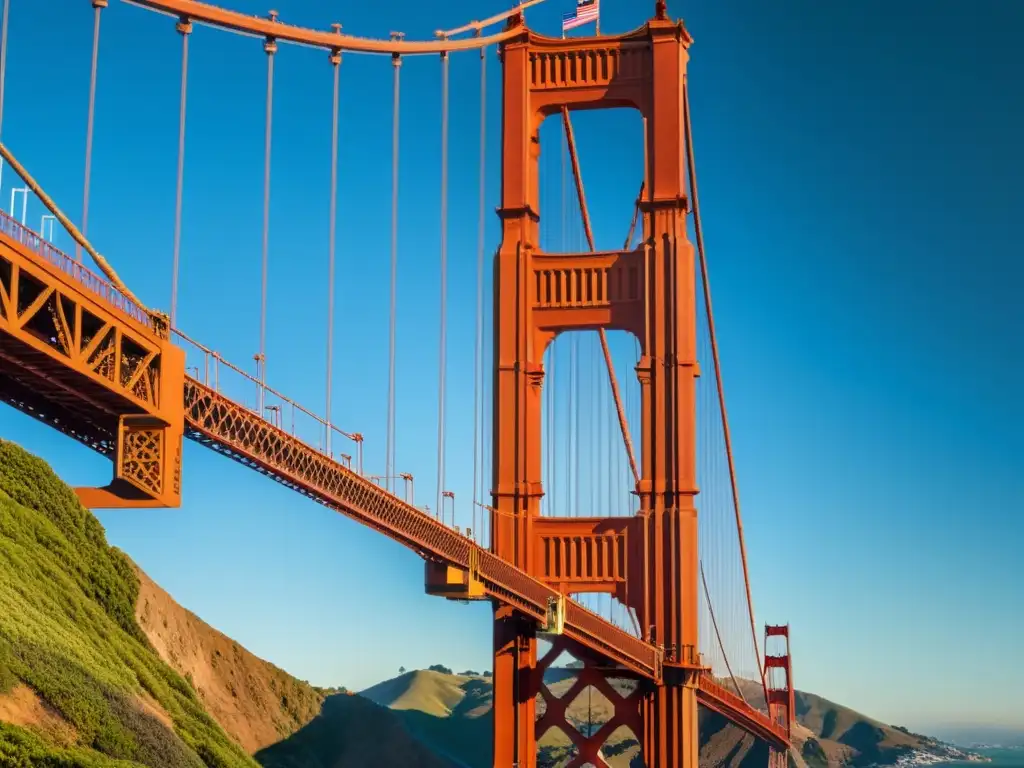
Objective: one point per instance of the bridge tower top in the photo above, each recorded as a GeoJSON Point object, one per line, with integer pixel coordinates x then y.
{"type": "Point", "coordinates": [643, 69]}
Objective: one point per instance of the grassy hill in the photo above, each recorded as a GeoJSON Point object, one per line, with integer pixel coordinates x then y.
{"type": "Point", "coordinates": [79, 683]}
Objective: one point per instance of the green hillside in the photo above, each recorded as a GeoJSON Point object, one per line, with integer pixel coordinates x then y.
{"type": "Point", "coordinates": [79, 683]}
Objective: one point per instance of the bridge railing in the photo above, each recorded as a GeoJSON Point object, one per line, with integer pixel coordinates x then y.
{"type": "Point", "coordinates": [73, 269]}
{"type": "Point", "coordinates": [224, 377]}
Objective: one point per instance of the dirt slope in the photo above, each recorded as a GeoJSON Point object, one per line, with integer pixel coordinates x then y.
{"type": "Point", "coordinates": [254, 701]}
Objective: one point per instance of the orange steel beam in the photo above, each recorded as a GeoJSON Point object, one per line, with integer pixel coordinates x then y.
{"type": "Point", "coordinates": [204, 13]}
{"type": "Point", "coordinates": [85, 357]}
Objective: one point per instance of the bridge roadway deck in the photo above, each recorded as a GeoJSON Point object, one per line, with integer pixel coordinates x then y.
{"type": "Point", "coordinates": [236, 431]}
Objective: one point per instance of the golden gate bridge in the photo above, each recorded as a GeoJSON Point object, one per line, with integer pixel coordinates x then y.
{"type": "Point", "coordinates": [81, 353]}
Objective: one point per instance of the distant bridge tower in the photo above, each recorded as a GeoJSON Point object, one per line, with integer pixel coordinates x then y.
{"type": "Point", "coordinates": [779, 680]}
{"type": "Point", "coordinates": [649, 292]}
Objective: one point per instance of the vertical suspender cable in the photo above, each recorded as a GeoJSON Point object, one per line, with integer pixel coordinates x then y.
{"type": "Point", "coordinates": [698, 232]}
{"type": "Point", "coordinates": [98, 5]}
{"type": "Point", "coordinates": [623, 423]}
{"type": "Point", "coordinates": [478, 365]}
{"type": "Point", "coordinates": [396, 61]}
{"type": "Point", "coordinates": [335, 60]}
{"type": "Point", "coordinates": [270, 47]}
{"type": "Point", "coordinates": [444, 280]}
{"type": "Point", "coordinates": [3, 69]}
{"type": "Point", "coordinates": [714, 624]}
{"type": "Point", "coordinates": [184, 27]}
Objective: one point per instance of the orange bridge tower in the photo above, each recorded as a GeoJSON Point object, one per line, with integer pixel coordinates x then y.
{"type": "Point", "coordinates": [650, 292]}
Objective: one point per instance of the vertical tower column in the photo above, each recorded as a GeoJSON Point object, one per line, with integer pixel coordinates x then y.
{"type": "Point", "coordinates": [667, 373]}
{"type": "Point", "coordinates": [517, 403]}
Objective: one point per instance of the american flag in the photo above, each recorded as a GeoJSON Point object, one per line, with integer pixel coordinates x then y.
{"type": "Point", "coordinates": [586, 12]}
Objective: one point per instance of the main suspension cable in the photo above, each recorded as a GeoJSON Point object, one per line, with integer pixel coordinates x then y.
{"type": "Point", "coordinates": [714, 623]}
{"type": "Point", "coordinates": [98, 5]}
{"type": "Point", "coordinates": [477, 27]}
{"type": "Point", "coordinates": [444, 283]}
{"type": "Point", "coordinates": [636, 217]}
{"type": "Point", "coordinates": [698, 232]}
{"type": "Point", "coordinates": [75, 233]}
{"type": "Point", "coordinates": [335, 59]}
{"type": "Point", "coordinates": [396, 61]}
{"type": "Point", "coordinates": [184, 27]}
{"type": "Point", "coordinates": [612, 379]}
{"type": "Point", "coordinates": [255, 26]}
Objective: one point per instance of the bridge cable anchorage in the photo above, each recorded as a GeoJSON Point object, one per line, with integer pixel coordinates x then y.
{"type": "Point", "coordinates": [396, 61]}
{"type": "Point", "coordinates": [623, 425]}
{"type": "Point", "coordinates": [335, 59]}
{"type": "Point", "coordinates": [184, 27]}
{"type": "Point", "coordinates": [698, 232]}
{"type": "Point", "coordinates": [270, 48]}
{"type": "Point", "coordinates": [478, 369]}
{"type": "Point", "coordinates": [441, 384]}
{"type": "Point", "coordinates": [98, 5]}
{"type": "Point", "coordinates": [159, 318]}
{"type": "Point", "coordinates": [211, 15]}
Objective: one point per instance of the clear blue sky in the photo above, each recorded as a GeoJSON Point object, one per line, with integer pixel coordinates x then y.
{"type": "Point", "coordinates": [860, 167]}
